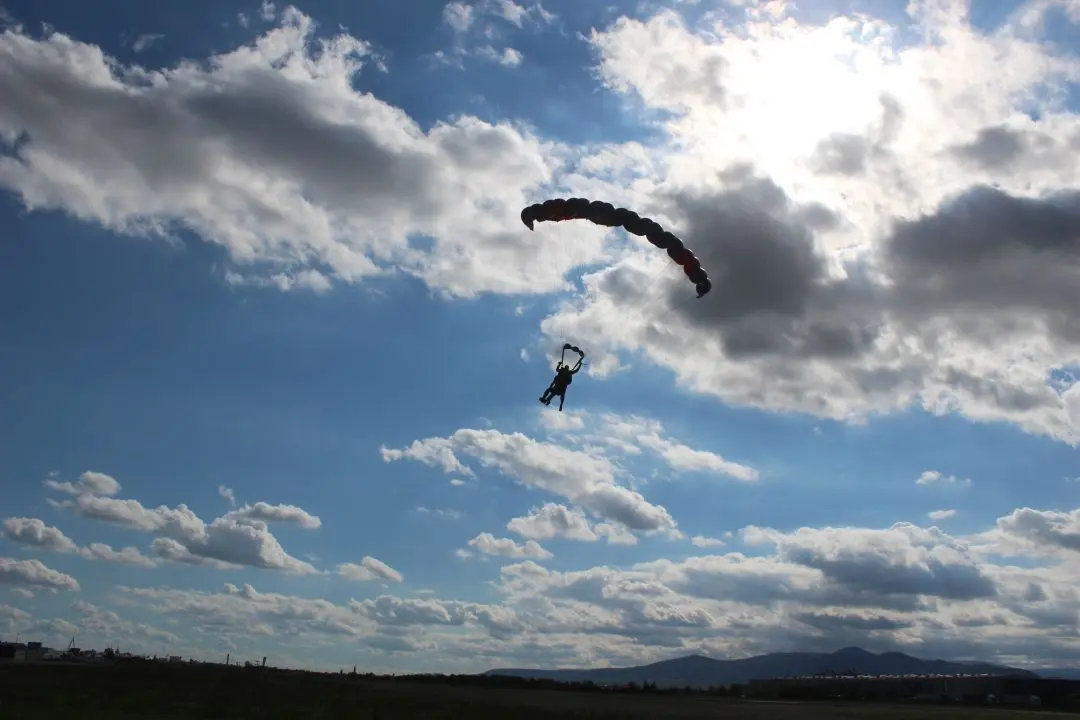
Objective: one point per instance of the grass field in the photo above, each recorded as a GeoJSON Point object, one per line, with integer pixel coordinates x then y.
{"type": "Point", "coordinates": [94, 692]}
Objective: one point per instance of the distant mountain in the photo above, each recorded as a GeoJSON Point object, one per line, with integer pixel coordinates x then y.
{"type": "Point", "coordinates": [1060, 673]}
{"type": "Point", "coordinates": [698, 671]}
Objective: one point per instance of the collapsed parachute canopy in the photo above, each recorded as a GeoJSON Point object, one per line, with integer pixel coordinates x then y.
{"type": "Point", "coordinates": [608, 215]}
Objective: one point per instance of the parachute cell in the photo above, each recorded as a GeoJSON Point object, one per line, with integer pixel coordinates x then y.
{"type": "Point", "coordinates": [607, 215]}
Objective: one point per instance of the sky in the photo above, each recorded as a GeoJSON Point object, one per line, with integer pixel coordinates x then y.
{"type": "Point", "coordinates": [272, 332]}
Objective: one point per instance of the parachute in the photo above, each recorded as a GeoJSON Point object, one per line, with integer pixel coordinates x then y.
{"type": "Point", "coordinates": [572, 348]}
{"type": "Point", "coordinates": [606, 214]}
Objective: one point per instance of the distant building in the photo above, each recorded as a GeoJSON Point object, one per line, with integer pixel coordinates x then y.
{"type": "Point", "coordinates": [31, 652]}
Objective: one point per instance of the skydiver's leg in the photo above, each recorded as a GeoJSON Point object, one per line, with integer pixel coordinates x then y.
{"type": "Point", "coordinates": [562, 399]}
{"type": "Point", "coordinates": [551, 392]}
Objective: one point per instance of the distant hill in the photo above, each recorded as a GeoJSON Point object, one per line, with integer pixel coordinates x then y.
{"type": "Point", "coordinates": [698, 671]}
{"type": "Point", "coordinates": [1060, 673]}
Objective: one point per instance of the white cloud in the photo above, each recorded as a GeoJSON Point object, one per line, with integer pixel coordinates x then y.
{"type": "Point", "coordinates": [816, 182]}
{"type": "Point", "coordinates": [1045, 533]}
{"type": "Point", "coordinates": [448, 513]}
{"type": "Point", "coordinates": [240, 537]}
{"type": "Point", "coordinates": [584, 479]}
{"type": "Point", "coordinates": [369, 569]}
{"type": "Point", "coordinates": [145, 41]}
{"type": "Point", "coordinates": [488, 544]}
{"type": "Point", "coordinates": [933, 477]}
{"type": "Point", "coordinates": [702, 541]}
{"type": "Point", "coordinates": [507, 57]}
{"type": "Point", "coordinates": [553, 520]}
{"type": "Point", "coordinates": [283, 199]}
{"type": "Point", "coordinates": [267, 513]}
{"type": "Point", "coordinates": [630, 434]}
{"type": "Point", "coordinates": [433, 452]}
{"type": "Point", "coordinates": [35, 574]}
{"type": "Point", "coordinates": [939, 515]}
{"type": "Point", "coordinates": [840, 210]}
{"type": "Point", "coordinates": [93, 483]}
{"type": "Point", "coordinates": [852, 251]}
{"type": "Point", "coordinates": [905, 587]}
{"type": "Point", "coordinates": [458, 15]}
{"type": "Point", "coordinates": [35, 533]}
{"type": "Point", "coordinates": [101, 622]}
{"type": "Point", "coordinates": [123, 556]}
{"type": "Point", "coordinates": [227, 493]}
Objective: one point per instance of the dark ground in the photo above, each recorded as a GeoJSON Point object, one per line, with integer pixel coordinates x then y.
{"type": "Point", "coordinates": [119, 692]}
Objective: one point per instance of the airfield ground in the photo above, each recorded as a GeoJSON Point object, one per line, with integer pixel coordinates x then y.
{"type": "Point", "coordinates": [118, 692]}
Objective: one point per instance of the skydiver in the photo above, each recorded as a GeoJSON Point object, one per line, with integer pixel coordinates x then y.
{"type": "Point", "coordinates": [564, 375]}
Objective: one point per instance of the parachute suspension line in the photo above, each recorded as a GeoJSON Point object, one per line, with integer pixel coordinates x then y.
{"type": "Point", "coordinates": [607, 215]}
{"type": "Point", "coordinates": [648, 294]}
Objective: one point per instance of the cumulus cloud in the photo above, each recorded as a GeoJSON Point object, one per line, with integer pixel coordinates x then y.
{"type": "Point", "coordinates": [905, 587]}
{"type": "Point", "coordinates": [103, 623]}
{"type": "Point", "coordinates": [238, 538]}
{"type": "Point", "coordinates": [835, 293]}
{"type": "Point", "coordinates": [90, 483]}
{"type": "Point", "coordinates": [939, 515]}
{"type": "Point", "coordinates": [35, 574]}
{"type": "Point", "coordinates": [632, 434]}
{"type": "Point", "coordinates": [35, 533]}
{"type": "Point", "coordinates": [582, 478]}
{"type": "Point", "coordinates": [553, 520]}
{"type": "Point", "coordinates": [1047, 532]}
{"type": "Point", "coordinates": [262, 512]}
{"type": "Point", "coordinates": [908, 242]}
{"type": "Point", "coordinates": [193, 147]}
{"type": "Point", "coordinates": [369, 568]}
{"type": "Point", "coordinates": [488, 544]}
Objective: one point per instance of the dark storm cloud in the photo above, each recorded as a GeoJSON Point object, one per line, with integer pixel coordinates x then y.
{"type": "Point", "coordinates": [880, 575]}
{"type": "Point", "coordinates": [993, 148]}
{"type": "Point", "coordinates": [771, 294]}
{"type": "Point", "coordinates": [990, 252]}
{"type": "Point", "coordinates": [989, 262]}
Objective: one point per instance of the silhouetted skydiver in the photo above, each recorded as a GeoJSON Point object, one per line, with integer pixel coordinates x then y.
{"type": "Point", "coordinates": [564, 375]}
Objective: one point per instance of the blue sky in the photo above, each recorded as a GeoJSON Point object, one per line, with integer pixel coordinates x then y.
{"type": "Point", "coordinates": [274, 327]}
